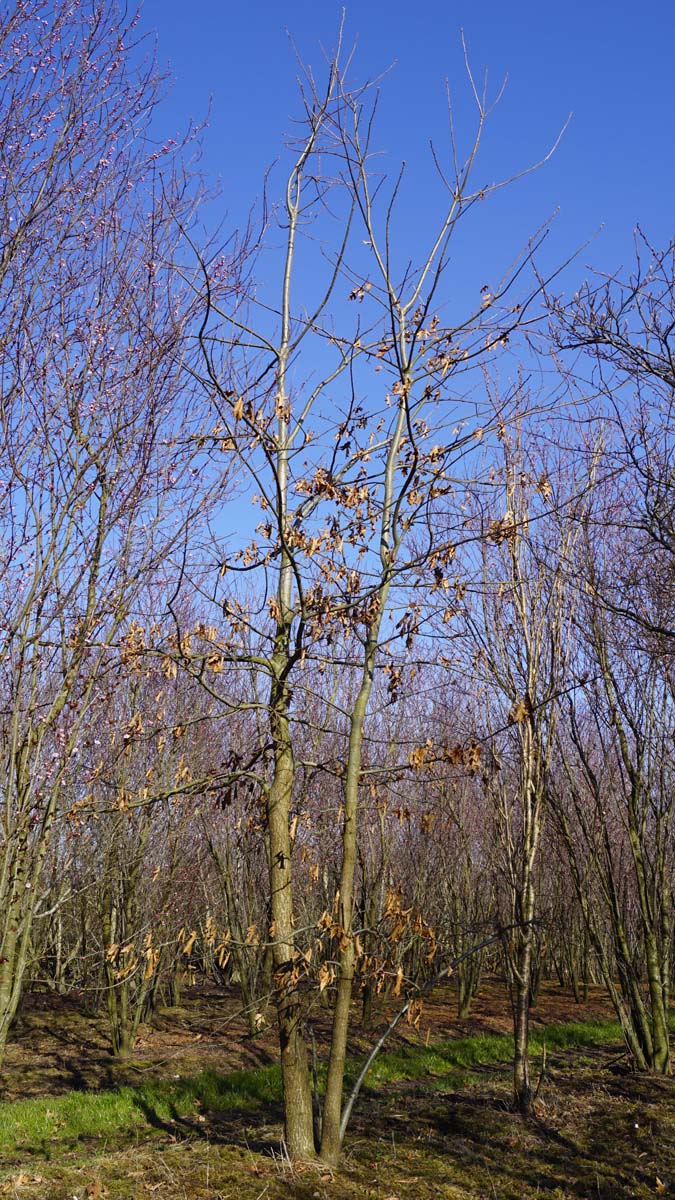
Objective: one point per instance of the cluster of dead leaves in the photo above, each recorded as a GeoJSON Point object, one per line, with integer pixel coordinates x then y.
{"type": "Point", "coordinates": [429, 754]}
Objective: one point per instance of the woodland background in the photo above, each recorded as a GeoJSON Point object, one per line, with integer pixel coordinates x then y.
{"type": "Point", "coordinates": [337, 607]}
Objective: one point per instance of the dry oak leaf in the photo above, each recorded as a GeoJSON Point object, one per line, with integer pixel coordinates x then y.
{"type": "Point", "coordinates": [521, 709]}
{"type": "Point", "coordinates": [187, 948]}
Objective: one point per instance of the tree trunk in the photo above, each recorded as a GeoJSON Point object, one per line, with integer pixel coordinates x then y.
{"type": "Point", "coordinates": [298, 1119]}
{"type": "Point", "coordinates": [522, 1091]}
{"type": "Point", "coordinates": [331, 1136]}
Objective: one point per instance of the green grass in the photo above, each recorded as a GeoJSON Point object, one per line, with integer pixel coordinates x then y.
{"type": "Point", "coordinates": [39, 1125]}
{"type": "Point", "coordinates": [461, 1054]}
{"type": "Point", "coordinates": [42, 1125]}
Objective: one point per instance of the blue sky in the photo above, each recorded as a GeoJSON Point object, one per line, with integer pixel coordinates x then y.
{"type": "Point", "coordinates": [611, 65]}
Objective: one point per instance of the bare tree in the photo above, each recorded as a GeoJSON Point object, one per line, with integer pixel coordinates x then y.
{"type": "Point", "coordinates": [615, 338]}
{"type": "Point", "coordinates": [615, 341]}
{"type": "Point", "coordinates": [99, 422]}
{"type": "Point", "coordinates": [613, 800]}
{"type": "Point", "coordinates": [520, 627]}
{"type": "Point", "coordinates": [350, 433]}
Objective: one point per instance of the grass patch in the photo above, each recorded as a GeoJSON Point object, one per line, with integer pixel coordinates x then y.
{"type": "Point", "coordinates": [42, 1125]}
{"type": "Point", "coordinates": [39, 1125]}
{"type": "Point", "coordinates": [459, 1055]}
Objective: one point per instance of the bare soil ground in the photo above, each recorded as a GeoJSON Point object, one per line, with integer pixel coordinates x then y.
{"type": "Point", "coordinates": [58, 1045]}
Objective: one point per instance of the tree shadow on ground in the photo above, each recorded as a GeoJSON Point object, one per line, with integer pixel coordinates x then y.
{"type": "Point", "coordinates": [597, 1155]}
{"type": "Point", "coordinates": [228, 1110]}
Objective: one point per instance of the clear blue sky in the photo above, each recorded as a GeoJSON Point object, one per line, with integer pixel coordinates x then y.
{"type": "Point", "coordinates": [610, 64]}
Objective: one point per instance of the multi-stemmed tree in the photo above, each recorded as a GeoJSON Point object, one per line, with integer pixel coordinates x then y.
{"type": "Point", "coordinates": [519, 623]}
{"type": "Point", "coordinates": [338, 397]}
{"type": "Point", "coordinates": [616, 337]}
